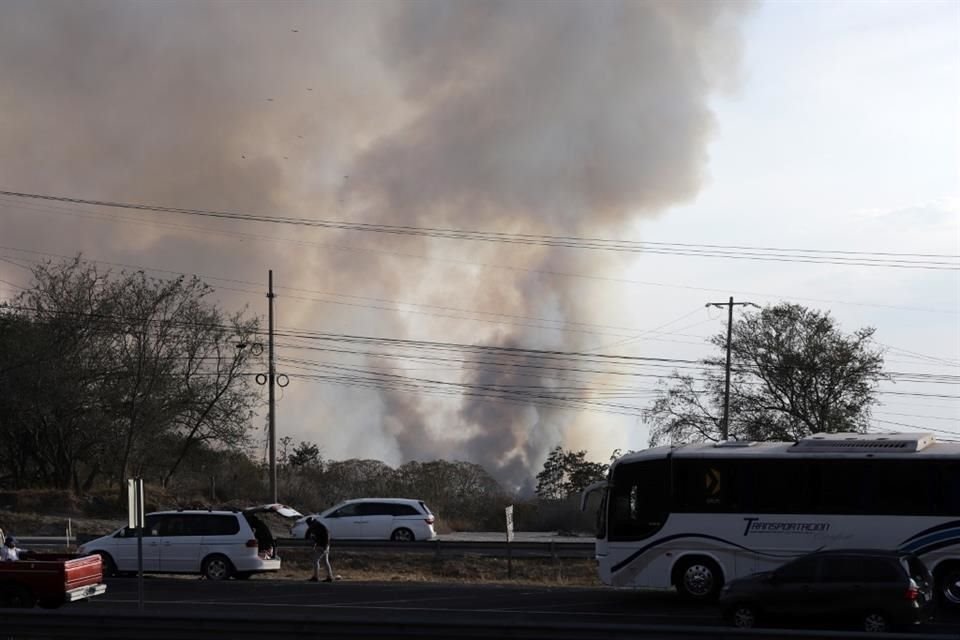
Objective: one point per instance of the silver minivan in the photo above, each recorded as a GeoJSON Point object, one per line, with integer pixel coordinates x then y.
{"type": "Point", "coordinates": [398, 519]}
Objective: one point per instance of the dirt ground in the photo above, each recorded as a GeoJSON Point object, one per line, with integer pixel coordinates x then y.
{"type": "Point", "coordinates": [419, 567]}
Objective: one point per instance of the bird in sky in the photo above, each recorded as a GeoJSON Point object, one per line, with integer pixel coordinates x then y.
{"type": "Point", "coordinates": [295, 30]}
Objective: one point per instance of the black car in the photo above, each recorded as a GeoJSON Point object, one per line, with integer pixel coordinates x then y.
{"type": "Point", "coordinates": [880, 589]}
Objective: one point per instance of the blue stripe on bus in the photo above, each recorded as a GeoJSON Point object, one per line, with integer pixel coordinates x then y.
{"type": "Point", "coordinates": [940, 539]}
{"type": "Point", "coordinates": [934, 537]}
{"type": "Point", "coordinates": [940, 527]}
{"type": "Point", "coordinates": [949, 542]}
{"type": "Point", "coordinates": [637, 554]}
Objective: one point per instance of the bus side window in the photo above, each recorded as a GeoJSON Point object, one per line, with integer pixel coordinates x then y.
{"type": "Point", "coordinates": [779, 486]}
{"type": "Point", "coordinates": [892, 487]}
{"type": "Point", "coordinates": [843, 486]}
{"type": "Point", "coordinates": [950, 488]}
{"type": "Point", "coordinates": [709, 486]}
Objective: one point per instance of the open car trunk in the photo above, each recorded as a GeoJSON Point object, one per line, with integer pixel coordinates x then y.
{"type": "Point", "coordinates": [266, 542]}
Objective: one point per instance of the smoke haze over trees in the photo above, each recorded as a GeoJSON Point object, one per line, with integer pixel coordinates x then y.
{"type": "Point", "coordinates": [526, 117]}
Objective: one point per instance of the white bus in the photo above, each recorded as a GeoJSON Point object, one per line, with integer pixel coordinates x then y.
{"type": "Point", "coordinates": [695, 516]}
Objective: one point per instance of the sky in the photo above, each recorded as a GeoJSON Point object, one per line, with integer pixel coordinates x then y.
{"type": "Point", "coordinates": [801, 125]}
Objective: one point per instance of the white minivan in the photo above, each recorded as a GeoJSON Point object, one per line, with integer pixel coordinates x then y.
{"type": "Point", "coordinates": [397, 519]}
{"type": "Point", "coordinates": [216, 544]}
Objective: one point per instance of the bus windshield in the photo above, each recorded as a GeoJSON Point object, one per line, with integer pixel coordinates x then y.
{"type": "Point", "coordinates": [639, 500]}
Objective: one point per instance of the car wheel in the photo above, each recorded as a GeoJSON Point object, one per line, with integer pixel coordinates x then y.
{"type": "Point", "coordinates": [217, 568]}
{"type": "Point", "coordinates": [402, 535]}
{"type": "Point", "coordinates": [743, 616]}
{"type": "Point", "coordinates": [108, 566]}
{"type": "Point", "coordinates": [698, 578]}
{"type": "Point", "coordinates": [15, 596]}
{"type": "Point", "coordinates": [948, 587]}
{"type": "Point", "coordinates": [875, 622]}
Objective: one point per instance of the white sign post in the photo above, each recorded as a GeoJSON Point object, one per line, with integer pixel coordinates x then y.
{"type": "Point", "coordinates": [135, 522]}
{"type": "Point", "coordinates": [508, 512]}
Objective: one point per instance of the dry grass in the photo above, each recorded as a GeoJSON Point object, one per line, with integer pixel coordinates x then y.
{"type": "Point", "coordinates": [421, 567]}
{"type": "Point", "coordinates": [19, 523]}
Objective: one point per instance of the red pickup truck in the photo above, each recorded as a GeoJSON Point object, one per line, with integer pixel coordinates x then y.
{"type": "Point", "coordinates": [50, 580]}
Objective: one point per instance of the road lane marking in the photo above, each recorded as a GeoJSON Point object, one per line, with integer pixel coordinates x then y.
{"type": "Point", "coordinates": [362, 605]}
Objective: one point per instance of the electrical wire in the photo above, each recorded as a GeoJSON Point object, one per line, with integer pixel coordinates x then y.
{"type": "Point", "coordinates": [775, 254]}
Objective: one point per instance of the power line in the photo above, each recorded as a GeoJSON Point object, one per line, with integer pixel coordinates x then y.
{"type": "Point", "coordinates": [564, 326]}
{"type": "Point", "coordinates": [776, 254]}
{"type": "Point", "coordinates": [922, 356]}
{"type": "Point", "coordinates": [915, 415]}
{"type": "Point", "coordinates": [540, 358]}
{"type": "Point", "coordinates": [354, 249]}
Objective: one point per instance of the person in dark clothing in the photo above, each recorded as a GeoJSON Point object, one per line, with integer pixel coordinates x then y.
{"type": "Point", "coordinates": [320, 535]}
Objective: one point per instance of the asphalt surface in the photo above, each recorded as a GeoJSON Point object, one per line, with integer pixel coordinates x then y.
{"type": "Point", "coordinates": [345, 600]}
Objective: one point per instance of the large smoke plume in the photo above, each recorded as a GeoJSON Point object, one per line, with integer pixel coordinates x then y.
{"type": "Point", "coordinates": [563, 118]}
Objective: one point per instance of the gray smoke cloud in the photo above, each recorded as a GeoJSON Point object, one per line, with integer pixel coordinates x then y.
{"type": "Point", "coordinates": [563, 118]}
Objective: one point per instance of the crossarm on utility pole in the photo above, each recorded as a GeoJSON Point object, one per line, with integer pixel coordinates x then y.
{"type": "Point", "coordinates": [724, 426]}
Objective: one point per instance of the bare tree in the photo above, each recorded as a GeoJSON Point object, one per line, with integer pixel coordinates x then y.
{"type": "Point", "coordinates": [793, 373]}
{"type": "Point", "coordinates": [99, 370]}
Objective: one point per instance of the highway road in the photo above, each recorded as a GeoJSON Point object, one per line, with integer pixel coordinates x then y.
{"type": "Point", "coordinates": [406, 601]}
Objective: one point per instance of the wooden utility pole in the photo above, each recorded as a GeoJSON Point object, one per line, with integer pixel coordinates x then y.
{"type": "Point", "coordinates": [724, 426]}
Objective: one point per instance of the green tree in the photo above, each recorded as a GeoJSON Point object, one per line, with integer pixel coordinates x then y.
{"type": "Point", "coordinates": [306, 455]}
{"type": "Point", "coordinates": [793, 373]}
{"type": "Point", "coordinates": [566, 473]}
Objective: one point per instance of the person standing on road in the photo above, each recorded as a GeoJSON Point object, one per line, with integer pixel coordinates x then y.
{"type": "Point", "coordinates": [320, 535]}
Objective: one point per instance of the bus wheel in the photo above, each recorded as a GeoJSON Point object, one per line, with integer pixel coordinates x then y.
{"type": "Point", "coordinates": [698, 578]}
{"type": "Point", "coordinates": [948, 586]}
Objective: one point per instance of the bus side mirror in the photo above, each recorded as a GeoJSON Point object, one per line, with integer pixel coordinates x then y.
{"type": "Point", "coordinates": [596, 486]}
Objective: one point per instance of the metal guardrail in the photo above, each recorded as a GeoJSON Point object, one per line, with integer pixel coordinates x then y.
{"type": "Point", "coordinates": [189, 626]}
{"type": "Point", "coordinates": [442, 548]}
{"type": "Point", "coordinates": [458, 548]}
{"type": "Point", "coordinates": [46, 541]}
